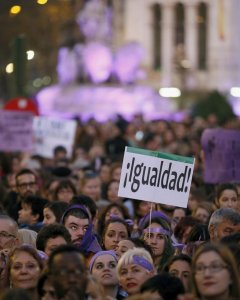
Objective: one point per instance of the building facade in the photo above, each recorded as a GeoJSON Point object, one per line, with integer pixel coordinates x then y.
{"type": "Point", "coordinates": [190, 44]}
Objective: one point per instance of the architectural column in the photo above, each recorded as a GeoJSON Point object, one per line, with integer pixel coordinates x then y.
{"type": "Point", "coordinates": [167, 44]}
{"type": "Point", "coordinates": [191, 33]}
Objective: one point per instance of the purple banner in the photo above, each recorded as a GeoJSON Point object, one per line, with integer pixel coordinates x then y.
{"type": "Point", "coordinates": [16, 130]}
{"type": "Point", "coordinates": [221, 155]}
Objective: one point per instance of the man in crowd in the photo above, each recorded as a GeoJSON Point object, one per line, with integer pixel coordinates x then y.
{"type": "Point", "coordinates": [223, 222]}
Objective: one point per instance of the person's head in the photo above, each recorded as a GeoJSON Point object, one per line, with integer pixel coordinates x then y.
{"type": "Point", "coordinates": [203, 212]}
{"type": "Point", "coordinates": [227, 196]}
{"type": "Point", "coordinates": [130, 243]}
{"type": "Point", "coordinates": [115, 230]}
{"type": "Point", "coordinates": [24, 265]}
{"type": "Point", "coordinates": [65, 191]}
{"type": "Point", "coordinates": [88, 202]}
{"type": "Point", "coordinates": [31, 210]}
{"type": "Point", "coordinates": [8, 232]}
{"type": "Point", "coordinates": [26, 182]}
{"type": "Point", "coordinates": [134, 268]}
{"type": "Point", "coordinates": [183, 228]}
{"type": "Point", "coordinates": [77, 221]}
{"type": "Point", "coordinates": [52, 236]}
{"type": "Point", "coordinates": [59, 152]}
{"type": "Point", "coordinates": [116, 169]}
{"type": "Point", "coordinates": [91, 185]}
{"type": "Point", "coordinates": [67, 270]}
{"type": "Point", "coordinates": [103, 266]}
{"type": "Point", "coordinates": [45, 287]}
{"type": "Point", "coordinates": [233, 242]}
{"type": "Point", "coordinates": [165, 285]}
{"type": "Point", "coordinates": [110, 211]}
{"type": "Point", "coordinates": [223, 222]}
{"type": "Point", "coordinates": [180, 266]}
{"type": "Point", "coordinates": [178, 214]}
{"type": "Point", "coordinates": [27, 236]}
{"type": "Point", "coordinates": [158, 236]}
{"type": "Point", "coordinates": [53, 212]}
{"type": "Point", "coordinates": [112, 191]}
{"type": "Point", "coordinates": [215, 273]}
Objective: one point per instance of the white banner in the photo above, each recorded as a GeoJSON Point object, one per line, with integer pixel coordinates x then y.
{"type": "Point", "coordinates": [156, 177]}
{"type": "Point", "coordinates": [49, 133]}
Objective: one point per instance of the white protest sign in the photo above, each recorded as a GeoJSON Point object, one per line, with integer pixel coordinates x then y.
{"type": "Point", "coordinates": [15, 130]}
{"type": "Point", "coordinates": [156, 177]}
{"type": "Point", "coordinates": [50, 132]}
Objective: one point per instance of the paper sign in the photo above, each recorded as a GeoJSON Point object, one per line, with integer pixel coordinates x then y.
{"type": "Point", "coordinates": [221, 149]}
{"type": "Point", "coordinates": [15, 131]}
{"type": "Point", "coordinates": [49, 133]}
{"type": "Point", "coordinates": [156, 177]}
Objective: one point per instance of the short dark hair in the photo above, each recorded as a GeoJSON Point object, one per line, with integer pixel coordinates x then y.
{"type": "Point", "coordinates": [37, 204]}
{"type": "Point", "coordinates": [59, 148]}
{"type": "Point", "coordinates": [64, 184]}
{"type": "Point", "coordinates": [58, 208]}
{"type": "Point", "coordinates": [78, 211]}
{"type": "Point", "coordinates": [87, 202]}
{"type": "Point", "coordinates": [50, 232]}
{"type": "Point", "coordinates": [23, 172]}
{"type": "Point", "coordinates": [62, 250]}
{"type": "Point", "coordinates": [166, 285]}
{"type": "Point", "coordinates": [181, 256]}
{"type": "Point", "coordinates": [225, 186]}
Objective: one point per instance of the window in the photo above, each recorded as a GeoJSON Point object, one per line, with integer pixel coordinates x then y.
{"type": "Point", "coordinates": [202, 36]}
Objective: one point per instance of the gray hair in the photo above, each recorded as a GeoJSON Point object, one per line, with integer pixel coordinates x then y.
{"type": "Point", "coordinates": [224, 214]}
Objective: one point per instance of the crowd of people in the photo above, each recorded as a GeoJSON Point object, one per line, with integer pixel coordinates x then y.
{"type": "Point", "coordinates": [65, 234]}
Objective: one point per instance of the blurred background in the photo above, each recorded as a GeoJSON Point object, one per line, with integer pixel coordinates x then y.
{"type": "Point", "coordinates": [139, 51]}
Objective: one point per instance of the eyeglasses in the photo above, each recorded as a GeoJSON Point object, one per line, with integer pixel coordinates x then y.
{"type": "Point", "coordinates": [5, 235]}
{"type": "Point", "coordinates": [213, 268]}
{"type": "Point", "coordinates": [24, 185]}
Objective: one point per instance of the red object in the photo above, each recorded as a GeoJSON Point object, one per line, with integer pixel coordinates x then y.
{"type": "Point", "coordinates": [22, 104]}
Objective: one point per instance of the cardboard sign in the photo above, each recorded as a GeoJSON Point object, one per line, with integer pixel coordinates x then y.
{"type": "Point", "coordinates": [15, 131]}
{"type": "Point", "coordinates": [49, 133]}
{"type": "Point", "coordinates": [221, 155]}
{"type": "Point", "coordinates": [156, 177]}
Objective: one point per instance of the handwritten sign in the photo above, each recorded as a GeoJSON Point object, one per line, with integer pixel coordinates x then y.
{"type": "Point", "coordinates": [156, 177]}
{"type": "Point", "coordinates": [50, 132]}
{"type": "Point", "coordinates": [221, 149]}
{"type": "Point", "coordinates": [15, 131]}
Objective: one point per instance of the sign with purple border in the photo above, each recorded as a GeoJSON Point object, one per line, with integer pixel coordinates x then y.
{"type": "Point", "coordinates": [221, 149]}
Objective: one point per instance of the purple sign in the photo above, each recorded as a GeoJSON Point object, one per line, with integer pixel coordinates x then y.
{"type": "Point", "coordinates": [221, 155]}
{"type": "Point", "coordinates": [16, 130]}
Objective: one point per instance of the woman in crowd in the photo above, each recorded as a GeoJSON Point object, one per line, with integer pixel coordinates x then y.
{"type": "Point", "coordinates": [183, 228]}
{"type": "Point", "coordinates": [53, 212]}
{"type": "Point", "coordinates": [134, 268]}
{"type": "Point", "coordinates": [180, 266]}
{"type": "Point", "coordinates": [203, 212]}
{"type": "Point", "coordinates": [111, 210]}
{"type": "Point", "coordinates": [103, 266]}
{"type": "Point", "coordinates": [115, 230]}
{"type": "Point", "coordinates": [157, 235]}
{"type": "Point", "coordinates": [112, 192]}
{"type": "Point", "coordinates": [215, 273]}
{"type": "Point", "coordinates": [130, 243]}
{"type": "Point", "coordinates": [65, 191]}
{"type": "Point", "coordinates": [227, 196]}
{"type": "Point", "coordinates": [24, 267]}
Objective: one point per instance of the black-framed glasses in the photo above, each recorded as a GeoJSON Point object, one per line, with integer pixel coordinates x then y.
{"type": "Point", "coordinates": [6, 235]}
{"type": "Point", "coordinates": [24, 185]}
{"type": "Point", "coordinates": [213, 268]}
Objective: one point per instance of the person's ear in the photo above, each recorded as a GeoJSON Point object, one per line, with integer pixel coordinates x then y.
{"type": "Point", "coordinates": [211, 231]}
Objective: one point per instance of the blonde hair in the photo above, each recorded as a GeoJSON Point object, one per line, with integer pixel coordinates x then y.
{"type": "Point", "coordinates": [128, 257]}
{"type": "Point", "coordinates": [27, 236]}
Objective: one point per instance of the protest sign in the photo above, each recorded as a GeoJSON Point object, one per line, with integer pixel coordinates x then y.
{"type": "Point", "coordinates": [156, 177]}
{"type": "Point", "coordinates": [221, 149]}
{"type": "Point", "coordinates": [50, 132]}
{"type": "Point", "coordinates": [15, 131]}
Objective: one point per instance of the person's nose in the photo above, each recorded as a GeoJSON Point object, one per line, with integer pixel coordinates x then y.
{"type": "Point", "coordinates": [23, 270]}
{"type": "Point", "coordinates": [116, 238]}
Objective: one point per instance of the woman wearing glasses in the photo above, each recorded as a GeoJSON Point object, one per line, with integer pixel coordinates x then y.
{"type": "Point", "coordinates": [215, 273]}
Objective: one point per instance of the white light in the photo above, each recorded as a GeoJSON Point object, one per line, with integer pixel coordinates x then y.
{"type": "Point", "coordinates": [170, 92]}
{"type": "Point", "coordinates": [30, 54]}
{"type": "Point", "coordinates": [235, 92]}
{"type": "Point", "coordinates": [9, 68]}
